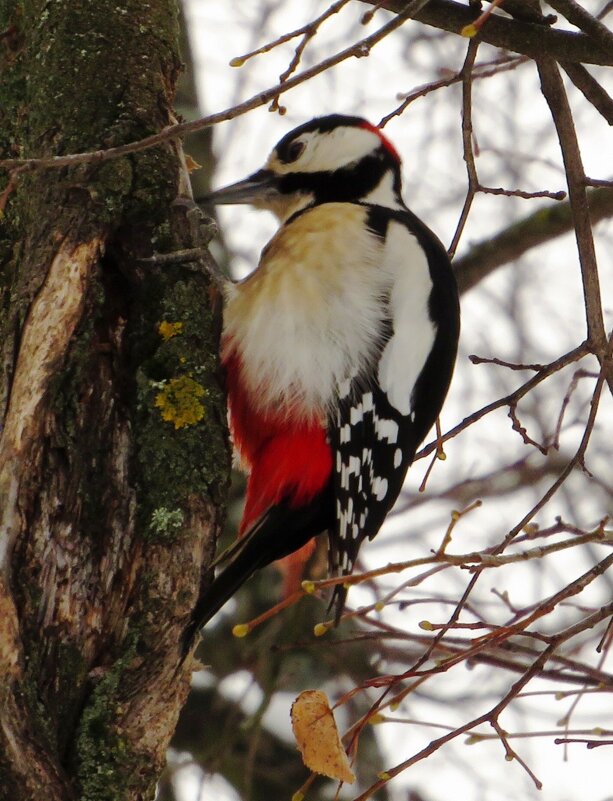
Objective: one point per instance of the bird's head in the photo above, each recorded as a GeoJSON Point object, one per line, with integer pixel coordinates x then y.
{"type": "Point", "coordinates": [329, 159]}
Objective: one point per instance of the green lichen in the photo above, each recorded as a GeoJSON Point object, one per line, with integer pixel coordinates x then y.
{"type": "Point", "coordinates": [112, 185]}
{"type": "Point", "coordinates": [79, 47]}
{"type": "Point", "coordinates": [166, 523]}
{"type": "Point", "coordinates": [105, 765]}
{"type": "Point", "coordinates": [179, 424]}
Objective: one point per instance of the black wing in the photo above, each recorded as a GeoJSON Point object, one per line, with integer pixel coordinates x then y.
{"type": "Point", "coordinates": [374, 443]}
{"type": "Point", "coordinates": [282, 530]}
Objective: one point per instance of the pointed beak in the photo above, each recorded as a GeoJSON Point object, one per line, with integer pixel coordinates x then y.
{"type": "Point", "coordinates": [257, 189]}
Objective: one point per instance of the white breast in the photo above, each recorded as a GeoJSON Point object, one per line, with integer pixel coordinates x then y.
{"type": "Point", "coordinates": [312, 310]}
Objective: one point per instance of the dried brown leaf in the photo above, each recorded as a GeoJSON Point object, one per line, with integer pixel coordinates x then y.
{"type": "Point", "coordinates": [318, 738]}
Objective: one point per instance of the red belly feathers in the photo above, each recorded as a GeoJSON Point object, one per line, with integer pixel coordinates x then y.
{"type": "Point", "coordinates": [285, 461]}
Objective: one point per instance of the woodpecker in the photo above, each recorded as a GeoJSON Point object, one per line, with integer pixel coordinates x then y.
{"type": "Point", "coordinates": [338, 349]}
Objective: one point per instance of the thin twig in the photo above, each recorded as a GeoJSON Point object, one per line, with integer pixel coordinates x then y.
{"type": "Point", "coordinates": [577, 15]}
{"type": "Point", "coordinates": [536, 229]}
{"type": "Point", "coordinates": [480, 560]}
{"type": "Point", "coordinates": [523, 433]}
{"type": "Point", "coordinates": [548, 370]}
{"type": "Point", "coordinates": [368, 15]}
{"type": "Point", "coordinates": [590, 88]}
{"type": "Point", "coordinates": [579, 374]}
{"type": "Point", "coordinates": [511, 753]}
{"type": "Point", "coordinates": [484, 70]}
{"type": "Point", "coordinates": [467, 143]}
{"type": "Point", "coordinates": [358, 49]}
{"type": "Point", "coordinates": [501, 363]}
{"type": "Point", "coordinates": [555, 95]}
{"type": "Point", "coordinates": [309, 31]}
{"type": "Point", "coordinates": [605, 10]}
{"type": "Point", "coordinates": [312, 26]}
{"type": "Point", "coordinates": [498, 190]}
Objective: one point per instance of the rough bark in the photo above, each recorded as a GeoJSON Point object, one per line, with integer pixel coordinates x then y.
{"type": "Point", "coordinates": [113, 450]}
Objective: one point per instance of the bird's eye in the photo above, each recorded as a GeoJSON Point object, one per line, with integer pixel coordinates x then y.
{"type": "Point", "coordinates": [292, 152]}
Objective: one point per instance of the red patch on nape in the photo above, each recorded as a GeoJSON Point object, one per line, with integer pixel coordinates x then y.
{"type": "Point", "coordinates": [384, 140]}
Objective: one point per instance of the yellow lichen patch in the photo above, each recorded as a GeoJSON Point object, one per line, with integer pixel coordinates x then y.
{"type": "Point", "coordinates": [168, 330]}
{"type": "Point", "coordinates": [179, 401]}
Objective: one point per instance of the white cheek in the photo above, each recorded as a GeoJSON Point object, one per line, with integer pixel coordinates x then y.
{"type": "Point", "coordinates": [322, 150]}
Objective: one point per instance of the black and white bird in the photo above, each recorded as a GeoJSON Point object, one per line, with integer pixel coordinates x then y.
{"type": "Point", "coordinates": [338, 349]}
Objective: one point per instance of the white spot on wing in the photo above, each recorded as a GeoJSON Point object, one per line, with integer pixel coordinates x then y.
{"type": "Point", "coordinates": [397, 457]}
{"type": "Point", "coordinates": [379, 487]}
{"type": "Point", "coordinates": [367, 402]}
{"type": "Point", "coordinates": [386, 430]}
{"type": "Point", "coordinates": [356, 415]}
{"type": "Point", "coordinates": [354, 466]}
{"type": "Point", "coordinates": [406, 352]}
{"type": "Point", "coordinates": [344, 477]}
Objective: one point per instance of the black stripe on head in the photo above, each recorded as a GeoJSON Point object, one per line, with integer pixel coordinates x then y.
{"type": "Point", "coordinates": [346, 184]}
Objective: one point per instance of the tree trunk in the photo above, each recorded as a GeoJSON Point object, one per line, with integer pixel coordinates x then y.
{"type": "Point", "coordinates": [113, 450]}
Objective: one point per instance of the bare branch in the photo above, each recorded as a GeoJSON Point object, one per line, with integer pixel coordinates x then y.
{"type": "Point", "coordinates": [483, 70]}
{"type": "Point", "coordinates": [309, 29]}
{"type": "Point", "coordinates": [549, 369]}
{"type": "Point", "coordinates": [358, 50]}
{"type": "Point", "coordinates": [590, 88]}
{"type": "Point", "coordinates": [467, 144]}
{"type": "Point", "coordinates": [536, 229]}
{"type": "Point", "coordinates": [530, 39]}
{"type": "Point", "coordinates": [582, 19]}
{"type": "Point", "coordinates": [555, 95]}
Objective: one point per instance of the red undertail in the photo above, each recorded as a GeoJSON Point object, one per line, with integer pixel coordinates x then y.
{"type": "Point", "coordinates": [286, 461]}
